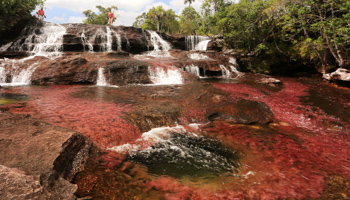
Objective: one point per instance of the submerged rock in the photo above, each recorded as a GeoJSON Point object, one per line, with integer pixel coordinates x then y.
{"type": "Point", "coordinates": [242, 112]}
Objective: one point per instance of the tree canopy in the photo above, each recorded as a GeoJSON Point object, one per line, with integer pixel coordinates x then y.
{"type": "Point", "coordinates": [158, 19]}
{"type": "Point", "coordinates": [12, 10]}
{"type": "Point", "coordinates": [101, 17]}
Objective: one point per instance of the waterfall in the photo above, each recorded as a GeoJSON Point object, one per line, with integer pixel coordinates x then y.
{"type": "Point", "coordinates": [193, 69]}
{"type": "Point", "coordinates": [160, 76]}
{"type": "Point", "coordinates": [225, 72]}
{"type": "Point", "coordinates": [42, 41]}
{"type": "Point", "coordinates": [109, 39]}
{"type": "Point", "coordinates": [194, 42]}
{"type": "Point", "coordinates": [119, 41]}
{"type": "Point", "coordinates": [158, 42]}
{"type": "Point", "coordinates": [6, 46]}
{"type": "Point", "coordinates": [19, 76]}
{"type": "Point", "coordinates": [101, 79]}
{"type": "Point", "coordinates": [86, 42]}
{"type": "Point", "coordinates": [234, 66]}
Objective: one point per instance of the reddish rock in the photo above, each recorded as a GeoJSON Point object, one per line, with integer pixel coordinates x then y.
{"type": "Point", "coordinates": [47, 157]}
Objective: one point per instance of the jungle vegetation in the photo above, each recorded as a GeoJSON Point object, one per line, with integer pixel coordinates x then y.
{"type": "Point", "coordinates": [275, 32]}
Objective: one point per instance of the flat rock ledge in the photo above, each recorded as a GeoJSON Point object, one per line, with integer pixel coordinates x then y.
{"type": "Point", "coordinates": [39, 160]}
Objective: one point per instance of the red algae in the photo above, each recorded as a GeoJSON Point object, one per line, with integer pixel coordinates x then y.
{"type": "Point", "coordinates": [296, 155]}
{"type": "Point", "coordinates": [291, 158]}
{"type": "Point", "coordinates": [99, 120]}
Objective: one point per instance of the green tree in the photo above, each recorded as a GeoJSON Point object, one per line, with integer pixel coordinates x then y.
{"type": "Point", "coordinates": [157, 15]}
{"type": "Point", "coordinates": [189, 1]}
{"type": "Point", "coordinates": [101, 17]}
{"type": "Point", "coordinates": [189, 21]}
{"type": "Point", "coordinates": [322, 27]}
{"type": "Point", "coordinates": [140, 20]}
{"type": "Point", "coordinates": [213, 12]}
{"type": "Point", "coordinates": [158, 19]}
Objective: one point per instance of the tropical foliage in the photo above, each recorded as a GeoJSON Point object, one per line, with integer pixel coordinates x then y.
{"type": "Point", "coordinates": [101, 17]}
{"type": "Point", "coordinates": [313, 32]}
{"type": "Point", "coordinates": [12, 10]}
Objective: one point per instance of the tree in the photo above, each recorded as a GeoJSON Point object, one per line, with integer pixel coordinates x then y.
{"type": "Point", "coordinates": [158, 19]}
{"type": "Point", "coordinates": [189, 21]}
{"type": "Point", "coordinates": [189, 1]}
{"type": "Point", "coordinates": [322, 26]}
{"type": "Point", "coordinates": [13, 10]}
{"type": "Point", "coordinates": [101, 18]}
{"type": "Point", "coordinates": [140, 20]}
{"type": "Point", "coordinates": [213, 11]}
{"type": "Point", "coordinates": [157, 15]}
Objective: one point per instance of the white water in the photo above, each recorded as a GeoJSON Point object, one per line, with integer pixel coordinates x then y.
{"type": "Point", "coordinates": [198, 56]}
{"type": "Point", "coordinates": [193, 69]}
{"type": "Point", "coordinates": [119, 41]}
{"type": "Point", "coordinates": [158, 43]}
{"type": "Point", "coordinates": [195, 42]}
{"type": "Point", "coordinates": [235, 66]}
{"type": "Point", "coordinates": [44, 41]}
{"type": "Point", "coordinates": [225, 72]}
{"type": "Point", "coordinates": [202, 45]}
{"type": "Point", "coordinates": [19, 75]}
{"type": "Point", "coordinates": [159, 76]}
{"type": "Point", "coordinates": [156, 135]}
{"type": "Point", "coordinates": [101, 79]}
{"type": "Point", "coordinates": [6, 46]}
{"type": "Point", "coordinates": [86, 42]}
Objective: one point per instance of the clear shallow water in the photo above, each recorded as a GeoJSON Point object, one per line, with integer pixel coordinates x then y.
{"type": "Point", "coordinates": [9, 98]}
{"type": "Point", "coordinates": [187, 155]}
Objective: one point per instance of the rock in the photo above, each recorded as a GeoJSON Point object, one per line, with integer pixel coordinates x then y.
{"type": "Point", "coordinates": [15, 184]}
{"type": "Point", "coordinates": [42, 155]}
{"type": "Point", "coordinates": [270, 81]}
{"type": "Point", "coordinates": [241, 112]}
{"type": "Point", "coordinates": [340, 74]}
{"type": "Point", "coordinates": [13, 54]}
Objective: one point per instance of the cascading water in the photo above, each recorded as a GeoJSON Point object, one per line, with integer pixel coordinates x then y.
{"type": "Point", "coordinates": [195, 42]}
{"type": "Point", "coordinates": [161, 47]}
{"type": "Point", "coordinates": [158, 42]}
{"type": "Point", "coordinates": [86, 42]}
{"type": "Point", "coordinates": [6, 46]}
{"type": "Point", "coordinates": [161, 76]}
{"type": "Point", "coordinates": [101, 79]}
{"type": "Point", "coordinates": [17, 75]}
{"type": "Point", "coordinates": [119, 41]}
{"type": "Point", "coordinates": [225, 72]}
{"type": "Point", "coordinates": [42, 41]}
{"type": "Point", "coordinates": [193, 69]}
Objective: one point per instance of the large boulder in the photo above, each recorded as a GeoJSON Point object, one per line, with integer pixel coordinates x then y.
{"type": "Point", "coordinates": [341, 75]}
{"type": "Point", "coordinates": [242, 112]}
{"type": "Point", "coordinates": [38, 160]}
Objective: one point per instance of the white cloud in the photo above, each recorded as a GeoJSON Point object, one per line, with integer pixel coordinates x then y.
{"type": "Point", "coordinates": [80, 6]}
{"type": "Point", "coordinates": [127, 12]}
{"type": "Point", "coordinates": [125, 18]}
{"type": "Point", "coordinates": [58, 19]}
{"type": "Point", "coordinates": [76, 19]}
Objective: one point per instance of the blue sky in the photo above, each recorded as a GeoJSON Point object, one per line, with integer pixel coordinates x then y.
{"type": "Point", "coordinates": [71, 11]}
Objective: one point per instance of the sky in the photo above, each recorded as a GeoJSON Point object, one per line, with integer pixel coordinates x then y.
{"type": "Point", "coordinates": [71, 11]}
